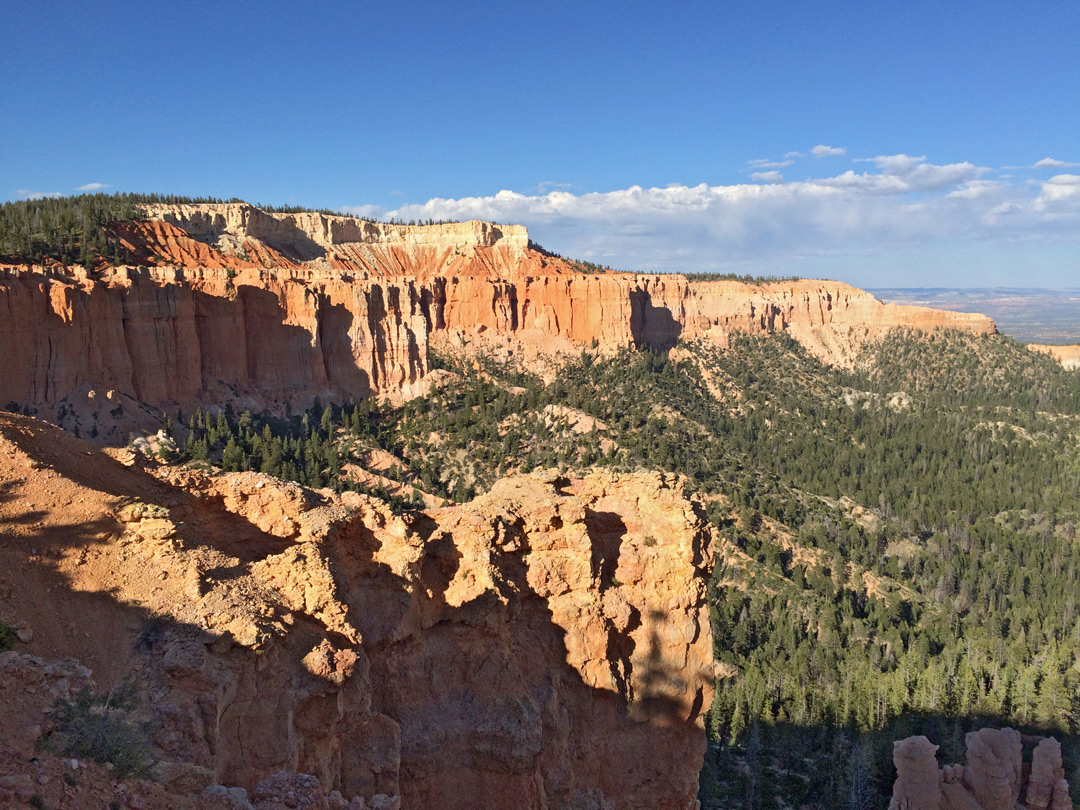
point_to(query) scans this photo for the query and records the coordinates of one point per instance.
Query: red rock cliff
(270, 308)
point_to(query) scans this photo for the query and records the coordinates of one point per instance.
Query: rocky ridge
(545, 646)
(263, 309)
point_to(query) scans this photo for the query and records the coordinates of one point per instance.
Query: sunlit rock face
(545, 646)
(1068, 356)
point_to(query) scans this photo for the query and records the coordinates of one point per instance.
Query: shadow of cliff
(607, 532)
(651, 326)
(338, 351)
(284, 360)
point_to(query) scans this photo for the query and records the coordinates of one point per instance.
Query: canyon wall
(227, 301)
(162, 336)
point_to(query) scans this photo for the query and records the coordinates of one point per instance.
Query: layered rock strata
(263, 309)
(995, 777)
(546, 646)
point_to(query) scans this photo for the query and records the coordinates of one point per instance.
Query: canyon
(545, 645)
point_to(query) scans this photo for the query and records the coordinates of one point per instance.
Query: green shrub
(7, 637)
(104, 730)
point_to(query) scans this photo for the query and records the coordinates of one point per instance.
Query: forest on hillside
(901, 540)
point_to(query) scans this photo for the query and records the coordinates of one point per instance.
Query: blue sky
(885, 144)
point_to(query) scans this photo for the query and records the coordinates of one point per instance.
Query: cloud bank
(902, 206)
(1051, 163)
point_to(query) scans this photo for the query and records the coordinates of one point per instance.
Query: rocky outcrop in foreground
(995, 777)
(545, 646)
(227, 302)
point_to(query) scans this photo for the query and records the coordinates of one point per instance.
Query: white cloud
(1060, 195)
(974, 189)
(902, 204)
(27, 194)
(93, 187)
(827, 151)
(894, 164)
(765, 163)
(1051, 163)
(789, 155)
(904, 176)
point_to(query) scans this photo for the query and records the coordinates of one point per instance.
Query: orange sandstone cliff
(545, 646)
(228, 301)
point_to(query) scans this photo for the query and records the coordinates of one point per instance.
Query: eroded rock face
(261, 309)
(994, 767)
(994, 778)
(544, 569)
(545, 646)
(1046, 787)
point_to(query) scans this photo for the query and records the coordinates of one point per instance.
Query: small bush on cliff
(104, 730)
(7, 637)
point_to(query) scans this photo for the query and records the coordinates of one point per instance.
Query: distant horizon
(972, 288)
(1026, 314)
